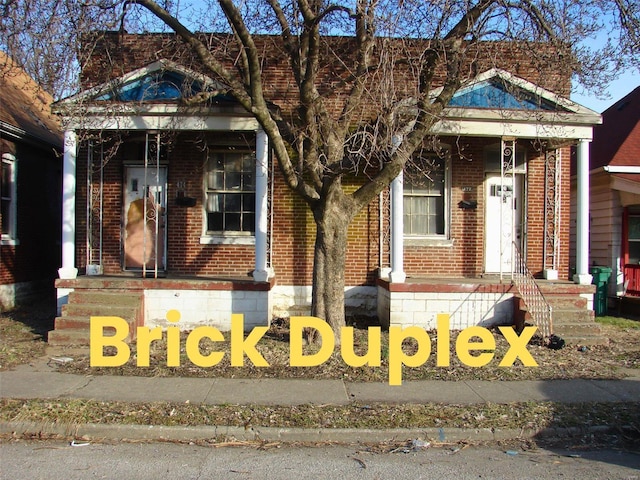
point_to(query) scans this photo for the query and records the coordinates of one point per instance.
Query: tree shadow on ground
(38, 313)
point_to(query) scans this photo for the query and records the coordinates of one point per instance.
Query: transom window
(230, 193)
(493, 157)
(157, 86)
(425, 187)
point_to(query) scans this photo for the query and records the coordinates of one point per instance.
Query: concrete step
(69, 336)
(75, 322)
(83, 322)
(567, 301)
(73, 325)
(94, 297)
(77, 336)
(589, 340)
(572, 316)
(94, 309)
(569, 329)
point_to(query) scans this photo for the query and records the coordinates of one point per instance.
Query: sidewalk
(39, 380)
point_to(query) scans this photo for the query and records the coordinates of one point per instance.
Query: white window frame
(629, 239)
(443, 239)
(11, 237)
(213, 237)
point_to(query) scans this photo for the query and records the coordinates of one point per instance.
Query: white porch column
(261, 273)
(68, 269)
(582, 276)
(397, 274)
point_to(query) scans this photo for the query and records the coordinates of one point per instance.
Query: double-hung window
(8, 190)
(425, 197)
(230, 193)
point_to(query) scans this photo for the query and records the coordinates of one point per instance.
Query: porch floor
(128, 281)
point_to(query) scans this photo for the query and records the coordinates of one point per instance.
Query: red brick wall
(294, 236)
(293, 228)
(293, 233)
(114, 54)
(185, 254)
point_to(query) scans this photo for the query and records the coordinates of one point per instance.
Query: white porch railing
(537, 305)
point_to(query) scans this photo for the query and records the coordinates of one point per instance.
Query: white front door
(503, 222)
(144, 218)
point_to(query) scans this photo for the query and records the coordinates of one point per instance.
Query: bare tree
(322, 144)
(400, 63)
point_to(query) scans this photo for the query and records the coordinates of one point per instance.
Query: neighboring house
(615, 195)
(31, 144)
(183, 207)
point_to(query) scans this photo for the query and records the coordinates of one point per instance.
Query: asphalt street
(49, 460)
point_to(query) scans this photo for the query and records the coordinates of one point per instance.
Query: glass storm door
(145, 219)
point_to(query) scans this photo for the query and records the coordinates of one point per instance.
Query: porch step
(572, 320)
(72, 327)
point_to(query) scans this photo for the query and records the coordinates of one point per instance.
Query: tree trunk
(332, 218)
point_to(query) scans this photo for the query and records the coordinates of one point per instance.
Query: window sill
(428, 242)
(9, 242)
(227, 240)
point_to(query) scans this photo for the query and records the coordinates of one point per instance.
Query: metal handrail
(537, 305)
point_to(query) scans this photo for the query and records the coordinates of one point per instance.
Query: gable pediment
(498, 89)
(162, 81)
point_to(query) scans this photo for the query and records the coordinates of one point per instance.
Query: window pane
(232, 221)
(232, 180)
(6, 215)
(249, 183)
(248, 222)
(634, 251)
(214, 202)
(6, 180)
(230, 191)
(215, 180)
(248, 163)
(232, 203)
(248, 202)
(634, 227)
(424, 200)
(215, 222)
(219, 161)
(419, 205)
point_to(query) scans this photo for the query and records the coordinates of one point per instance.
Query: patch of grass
(619, 322)
(18, 343)
(23, 331)
(529, 415)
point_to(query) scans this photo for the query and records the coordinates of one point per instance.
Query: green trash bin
(601, 281)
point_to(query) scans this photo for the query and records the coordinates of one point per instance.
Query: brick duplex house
(223, 234)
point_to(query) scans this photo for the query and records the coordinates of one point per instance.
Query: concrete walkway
(40, 380)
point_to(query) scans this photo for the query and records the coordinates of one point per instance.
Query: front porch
(146, 301)
(211, 301)
(488, 301)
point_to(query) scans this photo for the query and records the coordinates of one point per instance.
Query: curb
(98, 432)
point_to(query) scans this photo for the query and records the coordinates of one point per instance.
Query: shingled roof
(25, 108)
(617, 141)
